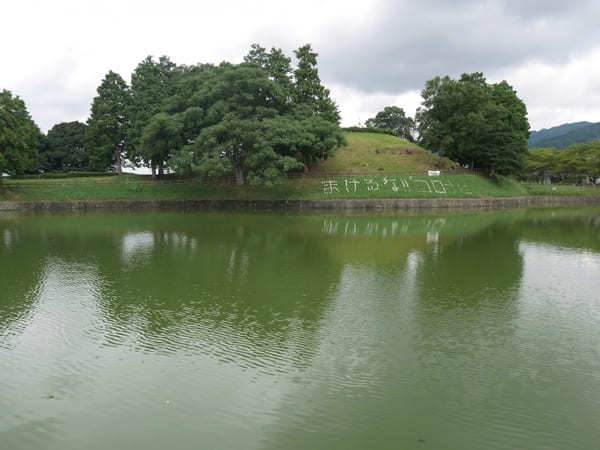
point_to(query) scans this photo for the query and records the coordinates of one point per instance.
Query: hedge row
(57, 175)
(369, 130)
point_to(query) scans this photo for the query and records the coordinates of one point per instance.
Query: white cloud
(558, 93)
(359, 106)
(372, 53)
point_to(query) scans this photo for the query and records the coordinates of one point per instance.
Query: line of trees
(477, 124)
(255, 120)
(261, 118)
(579, 163)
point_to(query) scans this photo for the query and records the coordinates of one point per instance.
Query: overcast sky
(371, 53)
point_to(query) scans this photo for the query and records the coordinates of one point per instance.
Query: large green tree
(65, 148)
(19, 137)
(109, 124)
(477, 124)
(230, 110)
(248, 120)
(394, 118)
(151, 83)
(308, 87)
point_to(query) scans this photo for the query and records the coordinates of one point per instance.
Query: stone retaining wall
(405, 204)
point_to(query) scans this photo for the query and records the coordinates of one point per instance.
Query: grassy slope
(369, 153)
(362, 162)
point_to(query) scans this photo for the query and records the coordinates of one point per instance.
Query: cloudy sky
(371, 53)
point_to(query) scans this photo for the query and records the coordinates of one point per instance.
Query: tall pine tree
(151, 83)
(308, 88)
(109, 123)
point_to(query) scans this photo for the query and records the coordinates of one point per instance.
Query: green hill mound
(371, 153)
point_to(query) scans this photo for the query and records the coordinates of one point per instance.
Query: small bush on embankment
(62, 175)
(369, 130)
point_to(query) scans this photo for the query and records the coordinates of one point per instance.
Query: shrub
(58, 175)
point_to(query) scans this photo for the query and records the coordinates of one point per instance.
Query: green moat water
(261, 331)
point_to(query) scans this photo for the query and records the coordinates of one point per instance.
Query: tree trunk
(304, 163)
(160, 171)
(239, 175)
(153, 172)
(118, 168)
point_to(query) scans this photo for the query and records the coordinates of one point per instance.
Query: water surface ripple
(221, 330)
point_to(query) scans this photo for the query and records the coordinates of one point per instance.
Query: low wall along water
(406, 204)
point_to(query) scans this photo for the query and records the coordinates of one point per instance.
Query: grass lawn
(558, 189)
(360, 170)
(133, 187)
(370, 153)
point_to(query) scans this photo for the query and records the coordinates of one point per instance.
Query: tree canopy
(151, 83)
(308, 87)
(109, 123)
(253, 120)
(474, 123)
(227, 120)
(19, 136)
(575, 164)
(393, 118)
(65, 148)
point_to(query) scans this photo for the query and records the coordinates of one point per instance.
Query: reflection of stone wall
(396, 203)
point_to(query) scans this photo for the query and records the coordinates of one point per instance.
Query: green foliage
(393, 118)
(19, 136)
(474, 123)
(109, 123)
(356, 129)
(577, 163)
(276, 64)
(308, 87)
(160, 138)
(247, 119)
(64, 175)
(230, 109)
(65, 148)
(256, 120)
(152, 82)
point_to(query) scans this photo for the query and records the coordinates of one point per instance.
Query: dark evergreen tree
(151, 83)
(472, 122)
(65, 148)
(308, 87)
(109, 123)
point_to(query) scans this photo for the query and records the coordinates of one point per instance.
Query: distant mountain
(564, 135)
